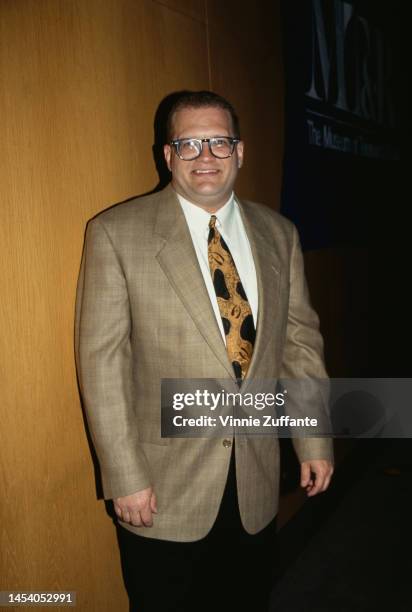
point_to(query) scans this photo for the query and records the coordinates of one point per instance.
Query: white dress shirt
(230, 225)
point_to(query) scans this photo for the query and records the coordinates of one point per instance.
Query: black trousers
(229, 570)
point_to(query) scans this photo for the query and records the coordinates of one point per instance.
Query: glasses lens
(189, 149)
(221, 147)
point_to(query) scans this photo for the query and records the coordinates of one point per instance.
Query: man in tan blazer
(145, 312)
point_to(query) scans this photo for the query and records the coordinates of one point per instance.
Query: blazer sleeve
(104, 365)
(303, 360)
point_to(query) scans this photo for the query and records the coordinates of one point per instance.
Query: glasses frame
(176, 143)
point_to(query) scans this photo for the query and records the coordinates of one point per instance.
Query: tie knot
(212, 222)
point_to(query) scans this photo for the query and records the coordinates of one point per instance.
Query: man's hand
(137, 508)
(315, 476)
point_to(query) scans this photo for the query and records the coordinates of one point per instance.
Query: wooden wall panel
(246, 67)
(80, 84)
(81, 80)
(191, 8)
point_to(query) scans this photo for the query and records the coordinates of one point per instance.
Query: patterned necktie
(233, 303)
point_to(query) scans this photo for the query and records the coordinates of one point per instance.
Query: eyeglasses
(190, 148)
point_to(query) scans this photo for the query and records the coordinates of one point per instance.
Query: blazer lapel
(268, 268)
(178, 259)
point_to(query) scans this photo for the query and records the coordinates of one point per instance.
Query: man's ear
(167, 151)
(240, 150)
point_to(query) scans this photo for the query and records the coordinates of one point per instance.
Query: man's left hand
(315, 476)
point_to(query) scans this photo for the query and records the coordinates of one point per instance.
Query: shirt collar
(198, 218)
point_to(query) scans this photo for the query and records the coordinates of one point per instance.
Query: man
(161, 277)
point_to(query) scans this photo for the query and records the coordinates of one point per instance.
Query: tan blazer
(142, 314)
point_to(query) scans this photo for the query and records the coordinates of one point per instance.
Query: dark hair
(201, 99)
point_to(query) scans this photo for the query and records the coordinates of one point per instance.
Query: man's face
(205, 181)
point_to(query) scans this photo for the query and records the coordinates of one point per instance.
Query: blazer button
(227, 443)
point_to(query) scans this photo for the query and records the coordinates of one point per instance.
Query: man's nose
(206, 153)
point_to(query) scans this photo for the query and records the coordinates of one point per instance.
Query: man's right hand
(137, 508)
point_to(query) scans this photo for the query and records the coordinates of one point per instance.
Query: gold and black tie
(233, 304)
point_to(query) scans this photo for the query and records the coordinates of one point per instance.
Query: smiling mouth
(204, 172)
